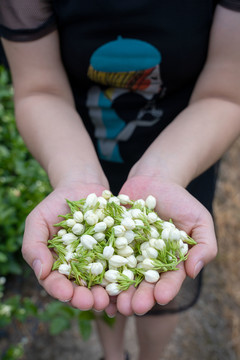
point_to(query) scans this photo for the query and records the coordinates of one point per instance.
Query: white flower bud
(151, 202)
(91, 200)
(147, 264)
(92, 219)
(111, 275)
(96, 268)
(165, 233)
(139, 223)
(108, 252)
(115, 200)
(126, 251)
(68, 238)
(140, 202)
(69, 256)
(129, 235)
(78, 216)
(117, 261)
(174, 235)
(168, 224)
(144, 245)
(128, 273)
(136, 213)
(184, 235)
(70, 222)
(153, 232)
(100, 227)
(151, 276)
(152, 217)
(119, 230)
(106, 194)
(128, 223)
(184, 249)
(113, 289)
(103, 262)
(145, 254)
(121, 242)
(62, 232)
(152, 253)
(70, 248)
(140, 258)
(88, 241)
(104, 283)
(152, 242)
(64, 269)
(159, 244)
(100, 214)
(99, 236)
(78, 229)
(124, 199)
(102, 202)
(109, 221)
(131, 261)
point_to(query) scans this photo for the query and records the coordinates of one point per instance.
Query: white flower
(144, 245)
(153, 232)
(91, 200)
(2, 280)
(68, 238)
(165, 233)
(152, 253)
(115, 200)
(140, 202)
(121, 242)
(87, 213)
(64, 269)
(139, 222)
(128, 223)
(147, 264)
(78, 229)
(70, 222)
(152, 217)
(183, 234)
(113, 289)
(174, 235)
(102, 202)
(92, 219)
(88, 241)
(96, 268)
(136, 213)
(117, 261)
(126, 251)
(106, 194)
(129, 235)
(111, 275)
(131, 261)
(184, 249)
(62, 232)
(159, 244)
(140, 258)
(5, 310)
(151, 276)
(104, 283)
(168, 224)
(108, 252)
(128, 273)
(100, 214)
(100, 227)
(119, 230)
(151, 202)
(109, 221)
(78, 216)
(69, 255)
(99, 236)
(124, 199)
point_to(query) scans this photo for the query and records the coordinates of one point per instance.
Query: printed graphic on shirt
(128, 83)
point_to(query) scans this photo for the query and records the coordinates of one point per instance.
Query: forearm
(194, 141)
(55, 135)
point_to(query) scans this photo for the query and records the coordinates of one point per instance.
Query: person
(141, 97)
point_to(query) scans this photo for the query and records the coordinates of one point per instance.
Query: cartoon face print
(128, 82)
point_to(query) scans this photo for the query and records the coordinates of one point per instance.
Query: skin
(199, 136)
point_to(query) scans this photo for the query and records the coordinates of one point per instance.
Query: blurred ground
(208, 331)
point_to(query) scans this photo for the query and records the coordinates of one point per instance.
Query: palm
(188, 214)
(39, 228)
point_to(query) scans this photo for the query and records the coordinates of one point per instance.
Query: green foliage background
(23, 183)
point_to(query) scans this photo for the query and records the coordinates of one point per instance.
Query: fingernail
(37, 267)
(111, 316)
(198, 268)
(65, 301)
(161, 304)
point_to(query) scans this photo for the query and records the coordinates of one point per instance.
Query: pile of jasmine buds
(115, 242)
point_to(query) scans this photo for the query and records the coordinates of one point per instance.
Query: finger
(82, 298)
(169, 285)
(143, 299)
(34, 248)
(58, 286)
(111, 310)
(101, 298)
(124, 301)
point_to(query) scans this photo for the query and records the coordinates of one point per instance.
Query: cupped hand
(188, 214)
(39, 229)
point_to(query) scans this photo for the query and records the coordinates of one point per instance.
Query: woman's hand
(174, 202)
(39, 228)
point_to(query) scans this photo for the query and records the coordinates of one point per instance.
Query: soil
(208, 331)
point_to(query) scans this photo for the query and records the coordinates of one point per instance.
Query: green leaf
(85, 328)
(86, 315)
(58, 325)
